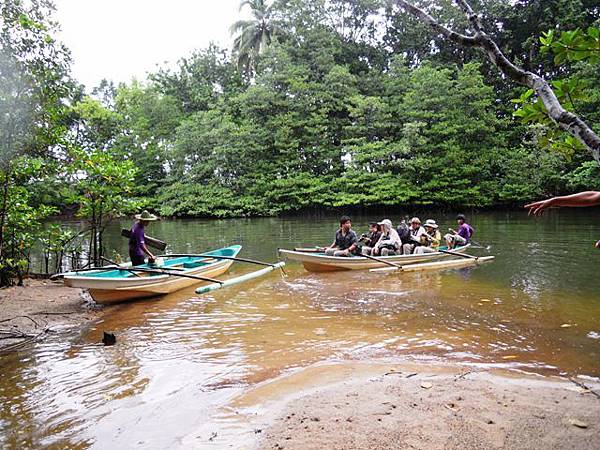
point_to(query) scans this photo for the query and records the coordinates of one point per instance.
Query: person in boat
(579, 200)
(416, 237)
(459, 237)
(403, 231)
(370, 239)
(389, 243)
(346, 241)
(137, 241)
(432, 236)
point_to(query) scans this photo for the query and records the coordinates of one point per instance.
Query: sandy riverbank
(41, 307)
(424, 406)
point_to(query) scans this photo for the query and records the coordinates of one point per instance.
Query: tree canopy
(323, 104)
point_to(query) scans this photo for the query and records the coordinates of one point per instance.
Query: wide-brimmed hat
(431, 223)
(386, 222)
(415, 220)
(146, 216)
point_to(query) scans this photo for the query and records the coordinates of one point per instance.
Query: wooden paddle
(140, 269)
(231, 258)
(462, 255)
(382, 261)
(152, 242)
(391, 264)
(166, 271)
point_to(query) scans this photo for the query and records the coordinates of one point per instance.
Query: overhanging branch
(566, 120)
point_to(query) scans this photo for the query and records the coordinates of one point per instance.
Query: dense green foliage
(57, 147)
(334, 104)
(33, 82)
(353, 105)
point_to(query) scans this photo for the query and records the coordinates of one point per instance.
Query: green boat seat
(193, 264)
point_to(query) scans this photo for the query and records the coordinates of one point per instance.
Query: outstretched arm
(582, 199)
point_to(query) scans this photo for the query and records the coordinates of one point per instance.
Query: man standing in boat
(346, 241)
(137, 241)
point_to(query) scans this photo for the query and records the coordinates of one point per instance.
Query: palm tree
(253, 35)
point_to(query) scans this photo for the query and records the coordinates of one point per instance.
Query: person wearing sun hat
(389, 243)
(432, 236)
(137, 241)
(415, 237)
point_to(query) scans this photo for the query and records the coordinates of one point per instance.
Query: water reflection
(181, 358)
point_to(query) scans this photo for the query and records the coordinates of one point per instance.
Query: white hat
(386, 222)
(431, 223)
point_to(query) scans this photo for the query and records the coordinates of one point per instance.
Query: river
(180, 361)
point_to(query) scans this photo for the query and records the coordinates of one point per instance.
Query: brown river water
(182, 360)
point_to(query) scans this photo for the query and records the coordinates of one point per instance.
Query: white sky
(122, 39)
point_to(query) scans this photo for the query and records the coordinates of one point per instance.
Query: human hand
(151, 260)
(538, 208)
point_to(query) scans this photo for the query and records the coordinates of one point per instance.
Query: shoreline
(28, 313)
(425, 405)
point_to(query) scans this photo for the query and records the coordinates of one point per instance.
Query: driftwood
(584, 387)
(566, 120)
(17, 317)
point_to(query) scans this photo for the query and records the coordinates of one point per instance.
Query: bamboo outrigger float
(119, 283)
(314, 261)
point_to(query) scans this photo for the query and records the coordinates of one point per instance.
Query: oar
(486, 247)
(396, 266)
(88, 269)
(175, 274)
(462, 255)
(115, 264)
(166, 272)
(231, 258)
(317, 250)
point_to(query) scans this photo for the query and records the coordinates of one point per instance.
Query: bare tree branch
(566, 120)
(461, 39)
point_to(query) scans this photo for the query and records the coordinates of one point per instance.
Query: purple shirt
(465, 231)
(136, 240)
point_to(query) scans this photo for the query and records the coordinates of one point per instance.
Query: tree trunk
(3, 208)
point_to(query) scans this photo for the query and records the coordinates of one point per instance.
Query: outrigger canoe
(319, 262)
(125, 283)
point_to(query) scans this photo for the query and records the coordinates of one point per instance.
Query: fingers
(536, 208)
(532, 205)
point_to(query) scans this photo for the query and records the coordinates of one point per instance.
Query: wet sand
(41, 307)
(425, 406)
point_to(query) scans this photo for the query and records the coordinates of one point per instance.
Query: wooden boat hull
(318, 262)
(121, 289)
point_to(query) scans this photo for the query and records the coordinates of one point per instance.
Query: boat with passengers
(315, 260)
